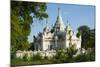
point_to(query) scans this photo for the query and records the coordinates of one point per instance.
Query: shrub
(37, 57)
(25, 57)
(71, 50)
(90, 56)
(59, 57)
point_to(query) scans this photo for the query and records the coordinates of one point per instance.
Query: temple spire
(58, 11)
(59, 18)
(68, 27)
(59, 25)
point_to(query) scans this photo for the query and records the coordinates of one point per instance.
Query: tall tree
(22, 14)
(85, 33)
(92, 39)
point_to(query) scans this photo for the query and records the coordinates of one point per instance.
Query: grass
(36, 62)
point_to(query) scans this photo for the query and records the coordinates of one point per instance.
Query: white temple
(61, 37)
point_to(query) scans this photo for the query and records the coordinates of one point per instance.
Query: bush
(59, 57)
(71, 50)
(25, 57)
(62, 56)
(90, 56)
(37, 57)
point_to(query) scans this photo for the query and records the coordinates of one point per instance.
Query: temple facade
(59, 37)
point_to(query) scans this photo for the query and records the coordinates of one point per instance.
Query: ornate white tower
(59, 25)
(68, 29)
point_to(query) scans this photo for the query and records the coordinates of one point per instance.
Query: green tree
(32, 46)
(92, 39)
(85, 34)
(21, 21)
(88, 37)
(22, 15)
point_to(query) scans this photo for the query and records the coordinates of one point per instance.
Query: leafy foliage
(88, 37)
(90, 56)
(62, 56)
(59, 57)
(22, 15)
(37, 57)
(71, 51)
(78, 34)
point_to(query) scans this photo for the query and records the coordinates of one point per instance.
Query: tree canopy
(88, 36)
(21, 20)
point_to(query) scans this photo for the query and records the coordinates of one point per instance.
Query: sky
(76, 15)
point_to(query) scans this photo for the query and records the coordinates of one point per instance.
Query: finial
(58, 11)
(58, 8)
